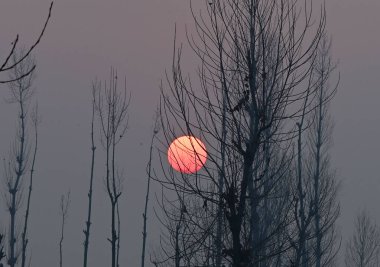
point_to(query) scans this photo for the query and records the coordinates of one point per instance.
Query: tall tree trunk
(318, 250)
(65, 203)
(319, 142)
(20, 160)
(145, 214)
(89, 210)
(25, 230)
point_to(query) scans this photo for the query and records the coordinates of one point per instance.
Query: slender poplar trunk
(301, 250)
(113, 233)
(25, 230)
(61, 243)
(318, 250)
(318, 160)
(88, 222)
(144, 233)
(65, 203)
(13, 190)
(118, 234)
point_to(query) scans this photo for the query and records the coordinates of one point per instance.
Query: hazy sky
(85, 38)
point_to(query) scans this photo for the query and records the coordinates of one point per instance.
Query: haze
(85, 38)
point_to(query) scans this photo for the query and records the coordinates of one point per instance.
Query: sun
(187, 154)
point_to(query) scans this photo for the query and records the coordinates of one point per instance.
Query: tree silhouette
(24, 234)
(149, 173)
(316, 208)
(111, 106)
(64, 212)
(256, 61)
(19, 68)
(363, 248)
(15, 170)
(89, 209)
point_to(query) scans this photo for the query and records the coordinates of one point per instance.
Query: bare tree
(89, 209)
(256, 58)
(21, 91)
(363, 248)
(7, 66)
(181, 243)
(315, 206)
(64, 209)
(19, 67)
(303, 212)
(149, 173)
(324, 184)
(24, 234)
(112, 110)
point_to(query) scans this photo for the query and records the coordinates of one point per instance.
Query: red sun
(187, 154)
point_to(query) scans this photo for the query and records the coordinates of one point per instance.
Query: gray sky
(85, 38)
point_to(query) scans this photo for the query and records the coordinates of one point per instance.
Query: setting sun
(187, 154)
